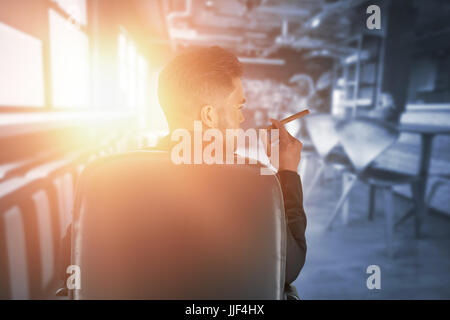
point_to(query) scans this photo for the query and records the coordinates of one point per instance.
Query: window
(21, 69)
(127, 71)
(138, 87)
(69, 52)
(142, 90)
(132, 74)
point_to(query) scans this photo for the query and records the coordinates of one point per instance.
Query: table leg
(424, 167)
(389, 215)
(372, 190)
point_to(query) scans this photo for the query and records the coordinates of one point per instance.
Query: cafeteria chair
(145, 228)
(364, 140)
(440, 180)
(30, 239)
(321, 130)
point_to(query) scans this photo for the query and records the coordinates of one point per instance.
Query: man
(204, 85)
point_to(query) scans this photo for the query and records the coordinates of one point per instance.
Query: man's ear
(208, 116)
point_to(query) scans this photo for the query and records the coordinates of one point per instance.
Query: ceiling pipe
(284, 38)
(191, 34)
(328, 9)
(284, 28)
(265, 61)
(176, 15)
(181, 14)
(323, 53)
(283, 11)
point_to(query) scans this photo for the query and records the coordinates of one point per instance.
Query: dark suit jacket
(296, 223)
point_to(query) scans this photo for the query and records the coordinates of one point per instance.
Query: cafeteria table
(427, 133)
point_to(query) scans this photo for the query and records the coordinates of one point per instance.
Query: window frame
(22, 26)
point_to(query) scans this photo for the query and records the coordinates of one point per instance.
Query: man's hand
(289, 148)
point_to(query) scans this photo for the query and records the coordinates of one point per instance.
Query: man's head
(202, 84)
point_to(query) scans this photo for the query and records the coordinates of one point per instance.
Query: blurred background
(78, 80)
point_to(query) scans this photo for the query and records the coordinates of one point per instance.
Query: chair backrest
(365, 139)
(321, 129)
(14, 278)
(145, 228)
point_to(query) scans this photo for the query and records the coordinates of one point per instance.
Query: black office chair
(145, 228)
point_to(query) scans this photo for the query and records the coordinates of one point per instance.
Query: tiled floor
(337, 260)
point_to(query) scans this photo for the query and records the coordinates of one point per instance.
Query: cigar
(291, 118)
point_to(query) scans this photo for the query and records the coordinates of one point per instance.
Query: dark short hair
(194, 78)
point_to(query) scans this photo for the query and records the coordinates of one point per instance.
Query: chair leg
(344, 196)
(389, 214)
(303, 166)
(372, 193)
(314, 180)
(420, 207)
(347, 178)
(433, 190)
